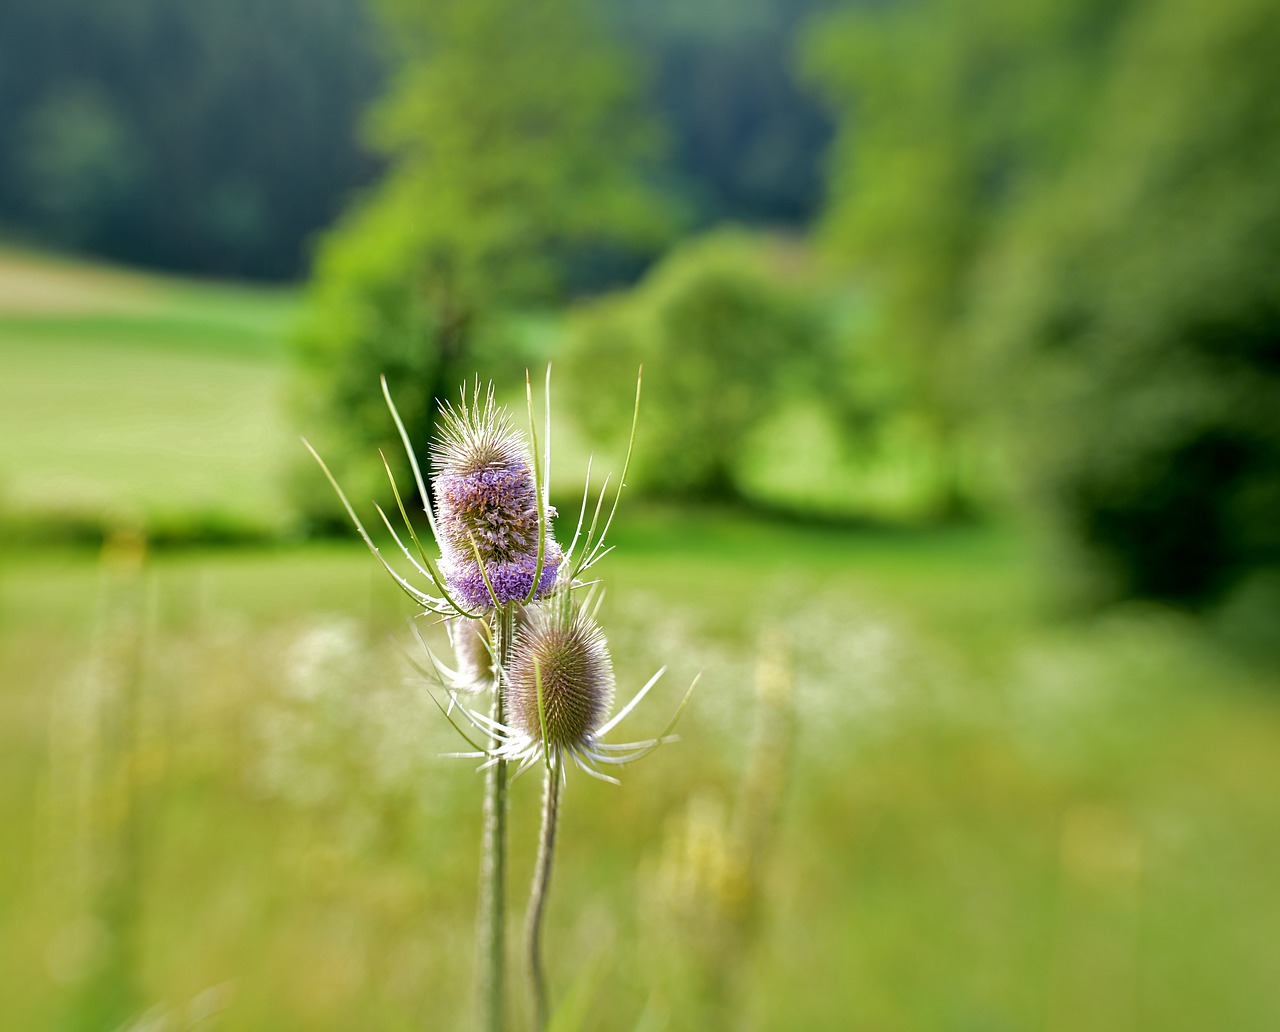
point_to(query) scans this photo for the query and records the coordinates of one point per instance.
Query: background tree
(509, 163)
(201, 137)
(1132, 313)
(1066, 215)
(729, 330)
(947, 112)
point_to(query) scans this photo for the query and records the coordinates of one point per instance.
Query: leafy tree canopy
(517, 148)
(1132, 311)
(1068, 217)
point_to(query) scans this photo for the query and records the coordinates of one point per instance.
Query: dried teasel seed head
(561, 654)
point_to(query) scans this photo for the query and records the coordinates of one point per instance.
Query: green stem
(538, 895)
(493, 862)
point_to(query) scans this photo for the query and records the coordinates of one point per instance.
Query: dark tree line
(220, 137)
(746, 135)
(204, 137)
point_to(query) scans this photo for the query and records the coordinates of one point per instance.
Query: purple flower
(487, 509)
(511, 578)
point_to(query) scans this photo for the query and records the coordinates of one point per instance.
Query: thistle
(558, 687)
(560, 681)
(493, 523)
(509, 596)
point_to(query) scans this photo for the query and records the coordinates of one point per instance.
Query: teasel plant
(521, 615)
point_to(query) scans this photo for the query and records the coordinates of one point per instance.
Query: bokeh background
(958, 476)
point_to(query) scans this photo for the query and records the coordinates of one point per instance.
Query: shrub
(726, 340)
(1133, 315)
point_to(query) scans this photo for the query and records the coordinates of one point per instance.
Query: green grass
(141, 398)
(218, 794)
(988, 820)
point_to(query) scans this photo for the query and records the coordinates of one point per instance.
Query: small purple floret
(511, 579)
(496, 509)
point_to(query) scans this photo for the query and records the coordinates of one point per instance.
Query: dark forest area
(220, 138)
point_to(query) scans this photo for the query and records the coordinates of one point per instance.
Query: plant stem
(493, 862)
(538, 895)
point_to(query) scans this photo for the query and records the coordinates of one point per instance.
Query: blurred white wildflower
(344, 727)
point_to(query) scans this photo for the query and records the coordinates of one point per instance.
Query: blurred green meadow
(906, 795)
(143, 398)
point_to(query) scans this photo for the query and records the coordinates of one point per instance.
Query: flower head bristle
(476, 436)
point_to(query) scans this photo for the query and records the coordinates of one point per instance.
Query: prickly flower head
(559, 682)
(487, 509)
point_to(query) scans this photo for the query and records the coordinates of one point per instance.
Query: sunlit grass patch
(155, 403)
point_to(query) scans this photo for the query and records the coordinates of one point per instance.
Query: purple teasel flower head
(494, 536)
(491, 519)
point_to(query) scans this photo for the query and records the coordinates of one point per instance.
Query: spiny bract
(560, 676)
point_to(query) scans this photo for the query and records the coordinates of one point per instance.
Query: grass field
(139, 397)
(986, 820)
(906, 796)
